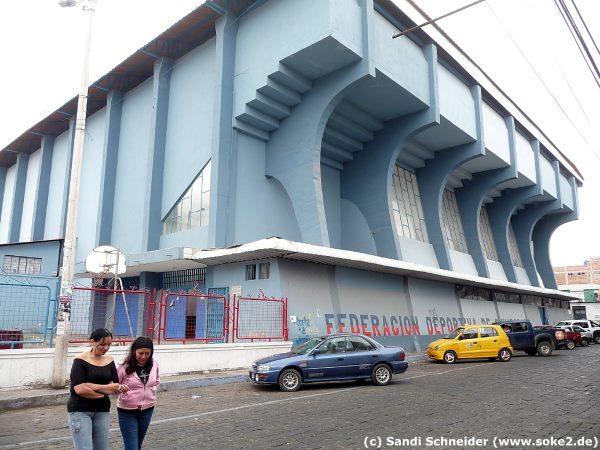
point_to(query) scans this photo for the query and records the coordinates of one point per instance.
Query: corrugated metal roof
(281, 248)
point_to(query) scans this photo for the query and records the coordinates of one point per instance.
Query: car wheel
(504, 355)
(290, 380)
(597, 338)
(585, 342)
(570, 344)
(449, 357)
(544, 348)
(381, 375)
(531, 352)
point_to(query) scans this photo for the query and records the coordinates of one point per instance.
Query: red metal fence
(260, 318)
(176, 316)
(193, 317)
(124, 312)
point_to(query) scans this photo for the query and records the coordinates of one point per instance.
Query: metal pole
(59, 373)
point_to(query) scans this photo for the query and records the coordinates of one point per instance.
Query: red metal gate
(260, 318)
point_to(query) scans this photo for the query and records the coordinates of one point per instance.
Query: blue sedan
(330, 358)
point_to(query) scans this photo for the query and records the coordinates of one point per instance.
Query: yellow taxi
(472, 341)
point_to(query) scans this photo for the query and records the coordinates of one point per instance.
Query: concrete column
(525, 221)
(471, 196)
(367, 179)
(67, 179)
(41, 194)
(3, 171)
(502, 209)
(432, 179)
(152, 225)
(499, 213)
(14, 225)
(108, 171)
(222, 137)
(542, 233)
(293, 155)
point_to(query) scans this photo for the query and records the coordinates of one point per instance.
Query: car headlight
(263, 367)
(436, 348)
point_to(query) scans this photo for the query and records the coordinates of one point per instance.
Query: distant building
(582, 281)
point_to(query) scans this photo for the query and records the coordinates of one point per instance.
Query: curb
(61, 398)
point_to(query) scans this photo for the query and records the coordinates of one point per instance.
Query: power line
(581, 45)
(436, 19)
(543, 83)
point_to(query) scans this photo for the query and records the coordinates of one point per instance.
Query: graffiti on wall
(306, 329)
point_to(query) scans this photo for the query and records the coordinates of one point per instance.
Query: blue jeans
(133, 425)
(89, 430)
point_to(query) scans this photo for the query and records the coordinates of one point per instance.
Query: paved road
(529, 397)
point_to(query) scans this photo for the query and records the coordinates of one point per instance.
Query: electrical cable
(597, 155)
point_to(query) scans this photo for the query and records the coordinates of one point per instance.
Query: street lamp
(59, 372)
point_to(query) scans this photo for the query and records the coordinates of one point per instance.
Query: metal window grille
(453, 229)
(22, 264)
(406, 205)
(191, 211)
(485, 232)
(184, 279)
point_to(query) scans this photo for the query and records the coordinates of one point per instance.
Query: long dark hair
(130, 361)
(100, 333)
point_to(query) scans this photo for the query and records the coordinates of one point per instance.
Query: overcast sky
(42, 57)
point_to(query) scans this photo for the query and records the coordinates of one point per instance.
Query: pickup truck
(588, 325)
(564, 338)
(524, 337)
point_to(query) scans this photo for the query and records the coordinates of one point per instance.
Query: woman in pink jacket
(139, 371)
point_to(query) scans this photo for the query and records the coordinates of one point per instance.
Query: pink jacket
(140, 395)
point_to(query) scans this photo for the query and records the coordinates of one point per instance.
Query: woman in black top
(93, 378)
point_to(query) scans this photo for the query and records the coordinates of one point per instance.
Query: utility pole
(59, 369)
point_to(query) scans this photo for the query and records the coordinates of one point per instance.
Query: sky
(523, 45)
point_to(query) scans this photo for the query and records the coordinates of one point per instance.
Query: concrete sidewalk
(33, 396)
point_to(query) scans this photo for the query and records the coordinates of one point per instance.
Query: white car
(587, 325)
(586, 336)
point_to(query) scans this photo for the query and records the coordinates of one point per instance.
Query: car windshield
(303, 349)
(561, 324)
(455, 333)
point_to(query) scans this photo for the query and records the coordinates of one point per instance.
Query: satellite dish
(106, 260)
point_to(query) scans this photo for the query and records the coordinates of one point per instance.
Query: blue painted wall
(190, 122)
(89, 187)
(132, 173)
(58, 187)
(33, 170)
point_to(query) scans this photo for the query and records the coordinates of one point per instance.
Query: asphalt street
(465, 405)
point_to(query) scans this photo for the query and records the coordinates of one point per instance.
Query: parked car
(564, 338)
(331, 358)
(588, 325)
(472, 341)
(524, 337)
(586, 336)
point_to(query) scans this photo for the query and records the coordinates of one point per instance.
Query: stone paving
(529, 397)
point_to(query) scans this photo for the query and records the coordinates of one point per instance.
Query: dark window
(264, 271)
(519, 326)
(471, 333)
(358, 344)
(251, 272)
(22, 264)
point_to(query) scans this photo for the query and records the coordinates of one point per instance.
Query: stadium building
(385, 186)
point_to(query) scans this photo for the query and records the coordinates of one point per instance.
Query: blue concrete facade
(303, 127)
